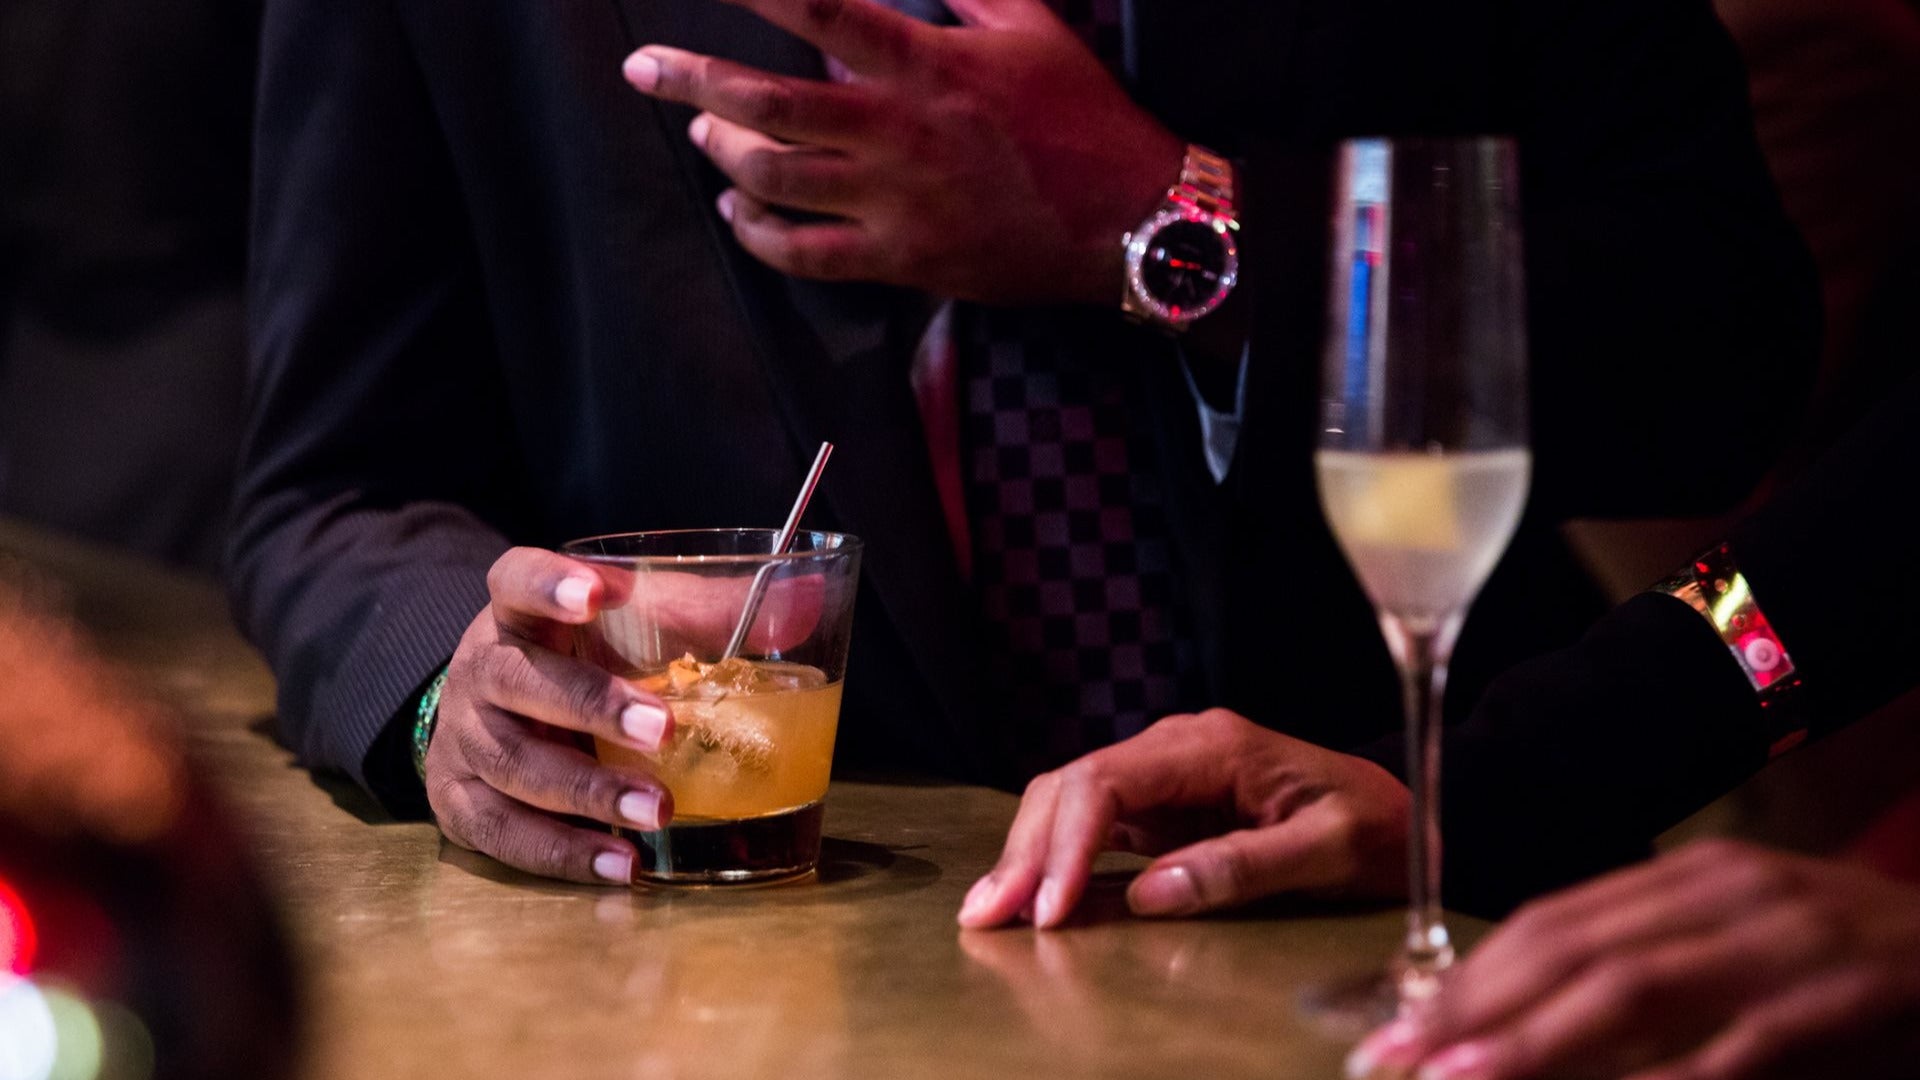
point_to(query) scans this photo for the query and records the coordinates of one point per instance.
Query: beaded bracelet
(424, 721)
(1714, 586)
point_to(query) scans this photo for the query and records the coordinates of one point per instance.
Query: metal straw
(781, 543)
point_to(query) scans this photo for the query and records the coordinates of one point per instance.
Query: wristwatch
(1182, 261)
(1713, 585)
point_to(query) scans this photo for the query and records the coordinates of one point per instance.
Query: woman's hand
(1719, 962)
(1234, 811)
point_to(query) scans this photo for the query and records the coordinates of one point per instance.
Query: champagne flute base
(1347, 1010)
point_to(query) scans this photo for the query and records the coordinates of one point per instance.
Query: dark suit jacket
(493, 303)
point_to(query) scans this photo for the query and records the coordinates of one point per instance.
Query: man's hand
(995, 161)
(1719, 962)
(505, 756)
(1234, 811)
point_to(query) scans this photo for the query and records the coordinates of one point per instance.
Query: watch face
(1187, 266)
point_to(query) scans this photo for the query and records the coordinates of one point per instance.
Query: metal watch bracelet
(1713, 585)
(1206, 181)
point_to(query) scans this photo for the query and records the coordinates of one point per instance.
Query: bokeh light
(78, 1047)
(18, 940)
(129, 1046)
(28, 1039)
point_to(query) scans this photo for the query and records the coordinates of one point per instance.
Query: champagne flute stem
(1421, 654)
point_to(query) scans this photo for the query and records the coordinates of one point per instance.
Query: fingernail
(641, 808)
(615, 866)
(644, 724)
(726, 205)
(572, 593)
(1463, 1062)
(642, 71)
(1383, 1047)
(1046, 906)
(976, 898)
(1165, 892)
(697, 131)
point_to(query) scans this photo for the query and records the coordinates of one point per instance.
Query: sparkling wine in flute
(1423, 530)
(1422, 455)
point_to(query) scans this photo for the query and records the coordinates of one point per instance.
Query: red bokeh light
(18, 939)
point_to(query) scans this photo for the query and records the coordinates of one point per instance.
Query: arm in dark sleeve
(1674, 310)
(1830, 560)
(372, 493)
(1574, 762)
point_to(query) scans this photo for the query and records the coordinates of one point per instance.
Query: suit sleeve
(1574, 762)
(372, 496)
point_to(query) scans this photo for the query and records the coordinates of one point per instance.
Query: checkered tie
(1072, 562)
(1071, 559)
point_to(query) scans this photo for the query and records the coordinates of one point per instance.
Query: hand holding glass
(752, 744)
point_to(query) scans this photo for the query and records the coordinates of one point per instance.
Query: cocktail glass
(752, 744)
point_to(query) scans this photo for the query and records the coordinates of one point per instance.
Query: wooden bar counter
(422, 960)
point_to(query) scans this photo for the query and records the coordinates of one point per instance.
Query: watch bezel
(1142, 238)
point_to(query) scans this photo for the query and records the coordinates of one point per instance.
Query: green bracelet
(423, 724)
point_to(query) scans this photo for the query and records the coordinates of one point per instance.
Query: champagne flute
(1422, 457)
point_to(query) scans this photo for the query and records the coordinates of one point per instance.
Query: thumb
(1304, 852)
(1003, 14)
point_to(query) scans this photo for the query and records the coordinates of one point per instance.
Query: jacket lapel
(836, 358)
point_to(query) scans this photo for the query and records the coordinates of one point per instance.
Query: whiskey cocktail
(751, 750)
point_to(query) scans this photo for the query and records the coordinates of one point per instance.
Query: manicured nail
(644, 724)
(976, 898)
(641, 808)
(697, 131)
(1383, 1047)
(1165, 892)
(726, 205)
(643, 71)
(572, 593)
(1046, 906)
(614, 866)
(1463, 1062)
